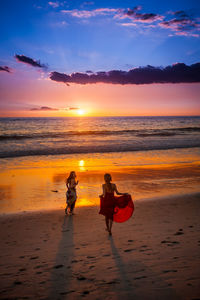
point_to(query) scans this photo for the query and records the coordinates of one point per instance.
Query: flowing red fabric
(118, 209)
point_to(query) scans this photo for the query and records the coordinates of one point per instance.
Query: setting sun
(80, 112)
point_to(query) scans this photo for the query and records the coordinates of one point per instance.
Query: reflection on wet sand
(6, 196)
(6, 192)
(31, 184)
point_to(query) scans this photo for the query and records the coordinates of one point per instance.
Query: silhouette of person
(108, 201)
(71, 194)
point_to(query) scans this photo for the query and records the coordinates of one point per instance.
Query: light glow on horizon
(80, 112)
(52, 59)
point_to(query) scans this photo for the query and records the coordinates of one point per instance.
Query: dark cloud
(180, 14)
(142, 17)
(5, 68)
(177, 73)
(44, 108)
(182, 23)
(73, 108)
(30, 61)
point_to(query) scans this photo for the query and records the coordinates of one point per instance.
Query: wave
(139, 133)
(95, 149)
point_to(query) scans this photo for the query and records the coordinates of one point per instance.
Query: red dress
(118, 209)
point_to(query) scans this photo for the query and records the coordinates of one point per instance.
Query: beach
(154, 255)
(47, 255)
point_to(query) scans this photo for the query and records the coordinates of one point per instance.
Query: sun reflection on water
(81, 164)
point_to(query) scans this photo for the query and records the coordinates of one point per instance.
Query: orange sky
(96, 99)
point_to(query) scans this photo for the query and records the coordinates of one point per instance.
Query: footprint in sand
(74, 261)
(169, 243)
(169, 271)
(58, 266)
(80, 278)
(179, 232)
(85, 293)
(112, 282)
(128, 250)
(65, 293)
(141, 277)
(16, 282)
(38, 267)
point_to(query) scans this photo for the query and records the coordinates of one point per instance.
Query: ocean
(53, 136)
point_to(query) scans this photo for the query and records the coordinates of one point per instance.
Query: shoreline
(168, 197)
(94, 152)
(154, 255)
(39, 183)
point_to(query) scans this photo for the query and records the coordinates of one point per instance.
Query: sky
(99, 58)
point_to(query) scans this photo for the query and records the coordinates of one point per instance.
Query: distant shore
(154, 255)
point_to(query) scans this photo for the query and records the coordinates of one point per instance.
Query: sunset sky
(99, 58)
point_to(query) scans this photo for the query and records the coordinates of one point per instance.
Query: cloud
(140, 17)
(54, 4)
(182, 24)
(177, 73)
(44, 108)
(29, 61)
(90, 13)
(118, 13)
(86, 3)
(5, 68)
(72, 108)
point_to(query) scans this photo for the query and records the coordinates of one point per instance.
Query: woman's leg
(107, 223)
(110, 225)
(72, 206)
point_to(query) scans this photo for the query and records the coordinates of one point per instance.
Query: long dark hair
(108, 179)
(71, 175)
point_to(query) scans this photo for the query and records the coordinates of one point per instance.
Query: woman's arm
(117, 192)
(104, 191)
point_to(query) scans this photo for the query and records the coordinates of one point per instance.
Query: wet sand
(37, 183)
(154, 255)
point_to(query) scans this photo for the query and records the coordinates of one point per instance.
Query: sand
(154, 255)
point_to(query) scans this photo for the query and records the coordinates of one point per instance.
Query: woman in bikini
(71, 195)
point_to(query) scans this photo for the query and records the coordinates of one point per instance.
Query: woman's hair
(107, 178)
(71, 175)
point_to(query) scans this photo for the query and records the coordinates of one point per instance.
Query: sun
(80, 112)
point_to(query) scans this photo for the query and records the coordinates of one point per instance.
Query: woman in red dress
(118, 208)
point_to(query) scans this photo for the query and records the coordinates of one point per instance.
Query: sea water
(54, 136)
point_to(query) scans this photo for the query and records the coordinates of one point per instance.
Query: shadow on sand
(125, 282)
(61, 273)
(147, 285)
